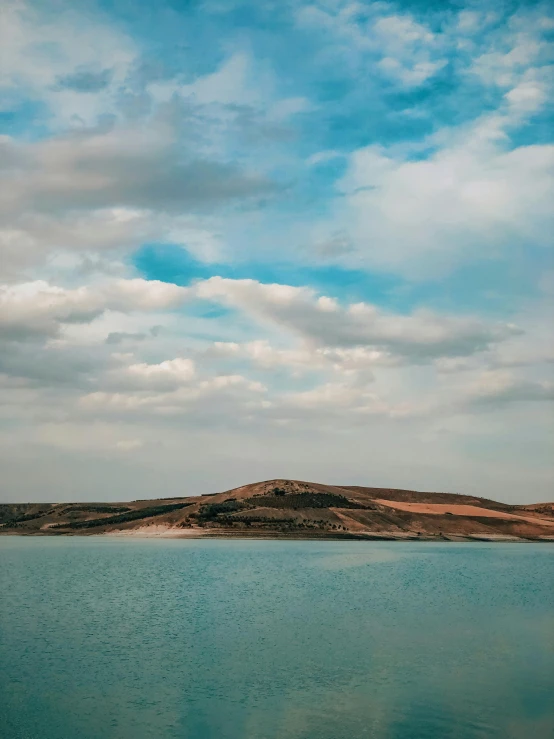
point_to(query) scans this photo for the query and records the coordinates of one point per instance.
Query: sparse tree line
(132, 515)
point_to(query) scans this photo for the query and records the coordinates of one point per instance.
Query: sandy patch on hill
(440, 509)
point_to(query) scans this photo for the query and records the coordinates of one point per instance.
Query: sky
(242, 240)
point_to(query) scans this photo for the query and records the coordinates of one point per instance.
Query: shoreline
(160, 532)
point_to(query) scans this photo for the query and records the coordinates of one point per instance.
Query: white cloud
(422, 208)
(93, 437)
(38, 308)
(126, 168)
(469, 200)
(261, 353)
(336, 397)
(322, 321)
(85, 240)
(233, 83)
(305, 359)
(167, 375)
(404, 50)
(129, 445)
(224, 399)
(409, 48)
(527, 96)
(499, 387)
(321, 157)
(511, 53)
(39, 48)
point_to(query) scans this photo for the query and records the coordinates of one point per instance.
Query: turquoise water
(111, 638)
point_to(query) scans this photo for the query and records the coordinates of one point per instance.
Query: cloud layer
(306, 239)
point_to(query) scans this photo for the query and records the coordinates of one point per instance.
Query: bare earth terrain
(293, 509)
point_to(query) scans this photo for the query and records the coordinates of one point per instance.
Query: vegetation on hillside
(296, 501)
(123, 517)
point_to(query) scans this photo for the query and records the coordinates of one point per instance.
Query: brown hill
(293, 509)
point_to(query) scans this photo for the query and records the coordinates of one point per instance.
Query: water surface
(166, 639)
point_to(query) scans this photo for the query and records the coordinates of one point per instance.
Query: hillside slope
(293, 509)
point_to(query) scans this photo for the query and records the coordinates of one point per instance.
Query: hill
(293, 509)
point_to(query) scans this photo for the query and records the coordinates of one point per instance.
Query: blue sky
(298, 239)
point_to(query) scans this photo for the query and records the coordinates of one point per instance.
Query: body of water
(104, 638)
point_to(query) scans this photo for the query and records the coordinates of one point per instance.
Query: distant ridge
(284, 508)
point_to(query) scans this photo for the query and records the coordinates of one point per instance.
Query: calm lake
(129, 639)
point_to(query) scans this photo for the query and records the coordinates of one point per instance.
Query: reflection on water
(358, 558)
(265, 640)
